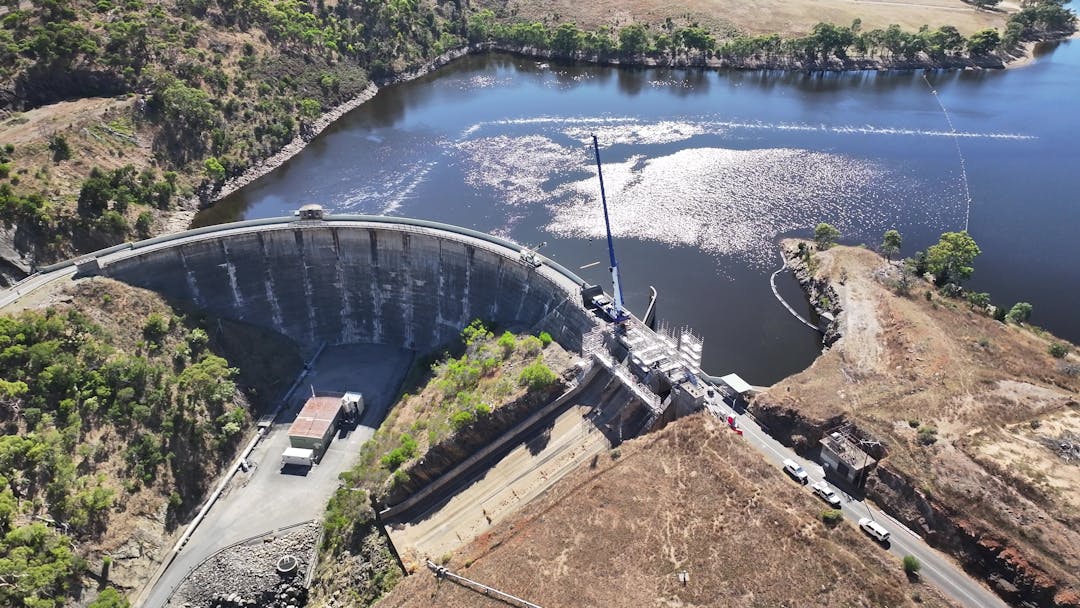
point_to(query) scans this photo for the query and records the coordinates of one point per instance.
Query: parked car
(874, 529)
(796, 471)
(826, 493)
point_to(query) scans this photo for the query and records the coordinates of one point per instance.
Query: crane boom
(619, 312)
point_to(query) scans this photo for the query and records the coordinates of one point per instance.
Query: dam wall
(363, 280)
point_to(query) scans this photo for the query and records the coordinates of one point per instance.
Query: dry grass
(692, 497)
(758, 16)
(983, 385)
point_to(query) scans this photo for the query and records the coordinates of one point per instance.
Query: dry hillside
(973, 414)
(691, 497)
(761, 16)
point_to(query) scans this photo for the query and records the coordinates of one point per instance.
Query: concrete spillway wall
(347, 281)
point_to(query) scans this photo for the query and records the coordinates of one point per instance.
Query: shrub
(144, 223)
(406, 449)
(911, 565)
(475, 332)
(1058, 350)
(531, 345)
(109, 598)
(913, 423)
(831, 517)
(545, 338)
(461, 419)
(155, 329)
(927, 435)
(113, 221)
(507, 342)
(536, 376)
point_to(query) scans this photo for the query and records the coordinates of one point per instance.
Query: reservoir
(706, 171)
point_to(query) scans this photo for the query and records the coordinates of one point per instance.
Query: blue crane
(617, 313)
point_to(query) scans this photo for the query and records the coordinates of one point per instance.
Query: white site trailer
(298, 456)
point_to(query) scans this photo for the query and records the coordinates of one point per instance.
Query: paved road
(937, 568)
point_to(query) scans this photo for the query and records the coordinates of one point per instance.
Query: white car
(826, 493)
(795, 470)
(874, 529)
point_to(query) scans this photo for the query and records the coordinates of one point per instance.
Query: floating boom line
(959, 153)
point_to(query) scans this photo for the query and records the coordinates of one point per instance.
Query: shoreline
(181, 219)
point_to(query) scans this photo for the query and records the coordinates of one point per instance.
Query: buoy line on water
(776, 292)
(959, 153)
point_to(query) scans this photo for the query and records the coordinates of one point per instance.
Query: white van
(874, 529)
(797, 472)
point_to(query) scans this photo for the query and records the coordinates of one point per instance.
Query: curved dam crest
(367, 280)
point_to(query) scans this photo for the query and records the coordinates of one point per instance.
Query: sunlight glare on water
(720, 200)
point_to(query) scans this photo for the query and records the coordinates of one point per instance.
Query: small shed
(737, 384)
(843, 457)
(314, 426)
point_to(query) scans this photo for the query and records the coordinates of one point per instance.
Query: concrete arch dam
(357, 279)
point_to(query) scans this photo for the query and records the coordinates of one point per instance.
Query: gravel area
(247, 575)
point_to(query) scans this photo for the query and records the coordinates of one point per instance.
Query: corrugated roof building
(314, 426)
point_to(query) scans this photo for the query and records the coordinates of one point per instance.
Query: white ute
(797, 473)
(874, 529)
(826, 493)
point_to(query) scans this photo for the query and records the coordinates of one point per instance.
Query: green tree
(214, 169)
(60, 147)
(633, 40)
(95, 193)
(979, 300)
(567, 38)
(950, 260)
(696, 38)
(987, 4)
(1020, 312)
(825, 235)
(983, 41)
(890, 243)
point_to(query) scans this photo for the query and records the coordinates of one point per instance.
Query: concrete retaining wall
(343, 282)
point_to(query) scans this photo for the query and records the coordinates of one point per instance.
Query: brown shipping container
(314, 426)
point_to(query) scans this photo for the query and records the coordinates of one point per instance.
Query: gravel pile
(247, 575)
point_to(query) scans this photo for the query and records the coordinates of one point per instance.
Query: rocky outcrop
(785, 422)
(52, 83)
(819, 290)
(980, 551)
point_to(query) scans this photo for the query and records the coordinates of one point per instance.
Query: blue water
(707, 170)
